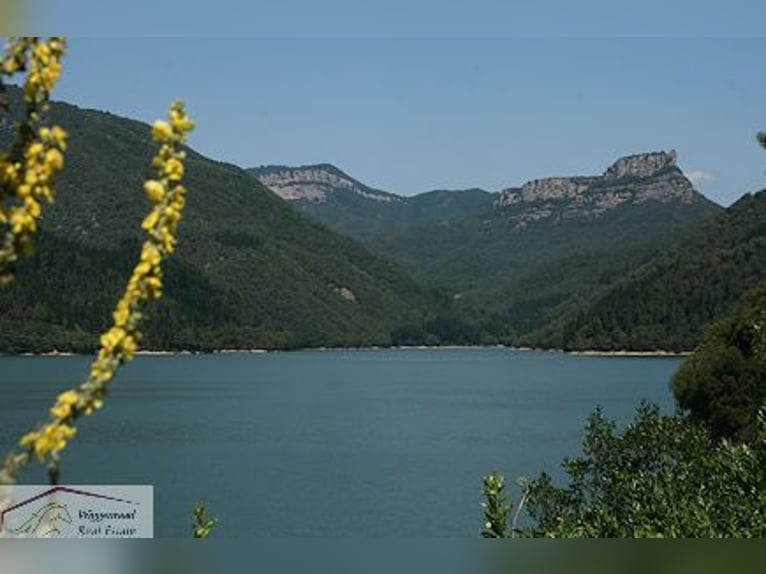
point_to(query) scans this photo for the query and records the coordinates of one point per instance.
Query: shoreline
(657, 353)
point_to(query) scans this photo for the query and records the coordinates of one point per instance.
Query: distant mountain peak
(641, 165)
(315, 183)
(631, 179)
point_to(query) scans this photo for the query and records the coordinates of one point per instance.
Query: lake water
(330, 443)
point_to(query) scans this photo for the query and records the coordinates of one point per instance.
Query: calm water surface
(340, 443)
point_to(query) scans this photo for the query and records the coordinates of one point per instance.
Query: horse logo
(44, 523)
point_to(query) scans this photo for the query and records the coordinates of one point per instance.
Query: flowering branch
(120, 342)
(27, 171)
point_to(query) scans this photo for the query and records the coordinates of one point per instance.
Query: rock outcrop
(632, 179)
(641, 165)
(314, 183)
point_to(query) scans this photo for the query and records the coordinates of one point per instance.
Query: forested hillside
(511, 268)
(668, 302)
(249, 272)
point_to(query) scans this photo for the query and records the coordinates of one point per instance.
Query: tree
(723, 384)
(663, 476)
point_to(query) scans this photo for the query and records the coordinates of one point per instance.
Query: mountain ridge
(256, 272)
(511, 266)
(512, 259)
(249, 271)
(344, 204)
(314, 182)
(630, 179)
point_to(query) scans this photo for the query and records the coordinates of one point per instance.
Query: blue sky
(460, 105)
(400, 18)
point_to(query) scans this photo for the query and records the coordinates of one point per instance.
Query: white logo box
(77, 511)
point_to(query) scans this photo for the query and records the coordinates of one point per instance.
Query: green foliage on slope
(723, 384)
(250, 271)
(507, 281)
(508, 261)
(668, 302)
(660, 477)
(367, 220)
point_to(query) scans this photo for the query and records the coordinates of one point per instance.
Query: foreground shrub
(663, 476)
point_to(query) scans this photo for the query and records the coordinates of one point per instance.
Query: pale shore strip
(600, 353)
(656, 353)
(53, 353)
(257, 351)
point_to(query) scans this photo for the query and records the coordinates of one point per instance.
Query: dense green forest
(249, 272)
(507, 281)
(505, 278)
(723, 383)
(252, 272)
(507, 261)
(668, 302)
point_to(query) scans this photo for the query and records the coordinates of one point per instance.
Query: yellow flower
(10, 66)
(174, 169)
(154, 285)
(150, 254)
(53, 438)
(54, 160)
(100, 373)
(112, 338)
(121, 314)
(129, 346)
(69, 398)
(10, 171)
(151, 220)
(181, 122)
(32, 206)
(50, 76)
(21, 220)
(95, 404)
(60, 411)
(162, 131)
(42, 52)
(29, 439)
(34, 150)
(46, 192)
(155, 190)
(59, 137)
(179, 201)
(168, 241)
(172, 214)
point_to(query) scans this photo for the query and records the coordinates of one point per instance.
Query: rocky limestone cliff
(314, 183)
(641, 165)
(632, 179)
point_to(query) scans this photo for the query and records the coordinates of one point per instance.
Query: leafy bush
(663, 476)
(723, 384)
